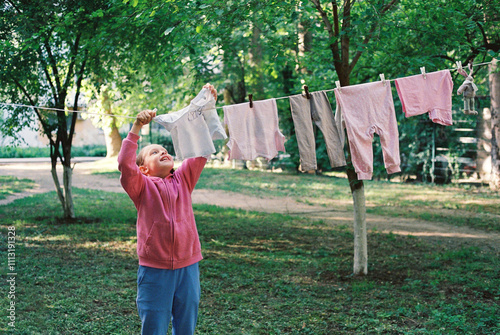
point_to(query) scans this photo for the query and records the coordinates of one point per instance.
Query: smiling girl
(168, 246)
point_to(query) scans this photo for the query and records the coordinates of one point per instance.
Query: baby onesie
(317, 109)
(430, 93)
(253, 132)
(368, 109)
(194, 127)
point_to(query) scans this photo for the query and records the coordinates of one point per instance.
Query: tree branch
(488, 43)
(368, 37)
(345, 40)
(74, 52)
(47, 75)
(330, 29)
(14, 6)
(53, 64)
(336, 18)
(77, 94)
(445, 57)
(483, 33)
(45, 126)
(324, 17)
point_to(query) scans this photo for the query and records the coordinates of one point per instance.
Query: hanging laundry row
(361, 110)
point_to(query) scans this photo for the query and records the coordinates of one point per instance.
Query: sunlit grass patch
(11, 185)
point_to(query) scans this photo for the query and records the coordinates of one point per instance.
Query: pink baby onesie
(253, 132)
(368, 109)
(429, 93)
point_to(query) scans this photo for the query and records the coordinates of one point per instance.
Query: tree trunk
(59, 191)
(113, 141)
(360, 238)
(69, 209)
(494, 79)
(360, 266)
(227, 97)
(256, 61)
(483, 133)
(65, 195)
(305, 42)
(111, 133)
(63, 141)
(234, 69)
(340, 57)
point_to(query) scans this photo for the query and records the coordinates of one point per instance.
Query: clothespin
(382, 78)
(337, 83)
(422, 69)
(470, 67)
(250, 98)
(459, 65)
(308, 96)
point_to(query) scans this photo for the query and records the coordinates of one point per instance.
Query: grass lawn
(461, 206)
(458, 205)
(262, 274)
(10, 185)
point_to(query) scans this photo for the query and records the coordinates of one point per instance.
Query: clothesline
(65, 110)
(133, 117)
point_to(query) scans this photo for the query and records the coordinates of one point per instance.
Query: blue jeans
(168, 294)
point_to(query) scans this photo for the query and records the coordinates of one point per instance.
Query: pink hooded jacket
(167, 237)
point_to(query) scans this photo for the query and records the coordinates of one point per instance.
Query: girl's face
(157, 161)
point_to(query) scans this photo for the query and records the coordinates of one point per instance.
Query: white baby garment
(194, 127)
(253, 132)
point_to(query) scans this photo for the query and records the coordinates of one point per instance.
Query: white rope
(65, 110)
(133, 117)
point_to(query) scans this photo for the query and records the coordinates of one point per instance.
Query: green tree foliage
(44, 52)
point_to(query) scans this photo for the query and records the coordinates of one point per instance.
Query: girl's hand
(145, 117)
(212, 90)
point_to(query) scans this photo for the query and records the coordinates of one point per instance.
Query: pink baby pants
(368, 109)
(430, 93)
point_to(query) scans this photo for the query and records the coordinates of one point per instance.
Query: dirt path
(339, 215)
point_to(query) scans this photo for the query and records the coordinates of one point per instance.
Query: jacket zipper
(171, 225)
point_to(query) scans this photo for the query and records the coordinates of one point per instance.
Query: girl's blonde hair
(139, 160)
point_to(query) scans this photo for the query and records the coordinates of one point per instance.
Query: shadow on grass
(262, 274)
(12, 185)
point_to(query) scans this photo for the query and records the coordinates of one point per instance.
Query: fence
(469, 156)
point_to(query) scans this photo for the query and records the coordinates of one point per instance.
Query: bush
(33, 152)
(17, 152)
(89, 151)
